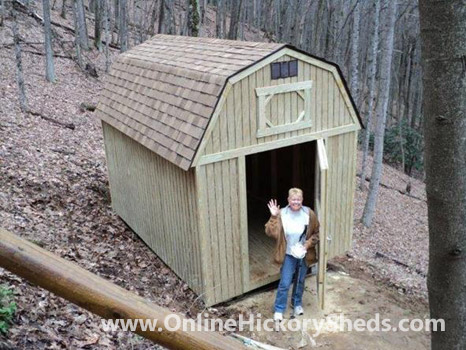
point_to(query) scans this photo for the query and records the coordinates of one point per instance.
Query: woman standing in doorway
(296, 230)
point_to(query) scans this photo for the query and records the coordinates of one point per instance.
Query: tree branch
(53, 121)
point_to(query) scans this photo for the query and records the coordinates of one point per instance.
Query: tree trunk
(234, 19)
(23, 103)
(354, 66)
(370, 110)
(443, 29)
(153, 18)
(77, 35)
(98, 24)
(161, 17)
(82, 27)
(49, 68)
(63, 9)
(2, 12)
(218, 19)
(107, 34)
(123, 27)
(114, 28)
(387, 12)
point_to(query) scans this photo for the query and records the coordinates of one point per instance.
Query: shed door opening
(269, 175)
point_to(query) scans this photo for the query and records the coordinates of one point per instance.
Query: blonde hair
(295, 191)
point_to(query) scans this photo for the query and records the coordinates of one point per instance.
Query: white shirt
(294, 223)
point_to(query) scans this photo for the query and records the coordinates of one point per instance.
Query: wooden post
(100, 296)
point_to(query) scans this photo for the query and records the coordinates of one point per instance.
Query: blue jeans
(296, 268)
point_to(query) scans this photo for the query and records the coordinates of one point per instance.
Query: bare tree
(23, 103)
(107, 34)
(161, 17)
(354, 57)
(443, 29)
(2, 12)
(49, 67)
(234, 19)
(153, 18)
(219, 18)
(370, 110)
(123, 26)
(387, 12)
(115, 20)
(98, 24)
(63, 9)
(77, 40)
(81, 24)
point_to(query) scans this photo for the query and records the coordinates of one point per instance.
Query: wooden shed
(200, 133)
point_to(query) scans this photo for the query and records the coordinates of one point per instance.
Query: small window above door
(268, 122)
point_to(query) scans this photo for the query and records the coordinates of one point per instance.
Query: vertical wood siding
(157, 200)
(219, 188)
(341, 151)
(237, 124)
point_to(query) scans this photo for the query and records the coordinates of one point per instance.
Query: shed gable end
(259, 110)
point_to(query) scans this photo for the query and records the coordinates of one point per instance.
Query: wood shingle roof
(163, 92)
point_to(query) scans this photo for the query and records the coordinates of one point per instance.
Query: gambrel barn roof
(163, 92)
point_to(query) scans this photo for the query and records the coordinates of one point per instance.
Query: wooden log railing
(99, 296)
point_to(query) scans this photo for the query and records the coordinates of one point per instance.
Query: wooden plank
(204, 235)
(245, 113)
(227, 217)
(353, 183)
(277, 144)
(289, 115)
(237, 288)
(307, 106)
(267, 81)
(194, 216)
(315, 117)
(322, 154)
(243, 216)
(324, 101)
(223, 124)
(295, 97)
(237, 115)
(280, 109)
(331, 191)
(214, 232)
(319, 97)
(339, 162)
(321, 277)
(283, 88)
(345, 96)
(252, 111)
(217, 181)
(331, 101)
(344, 192)
(276, 130)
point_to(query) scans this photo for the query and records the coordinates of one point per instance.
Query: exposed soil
(355, 296)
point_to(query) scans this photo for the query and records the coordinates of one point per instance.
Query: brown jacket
(274, 229)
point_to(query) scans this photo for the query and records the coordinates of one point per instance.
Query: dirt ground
(349, 296)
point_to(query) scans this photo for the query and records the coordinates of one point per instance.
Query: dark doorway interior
(269, 175)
